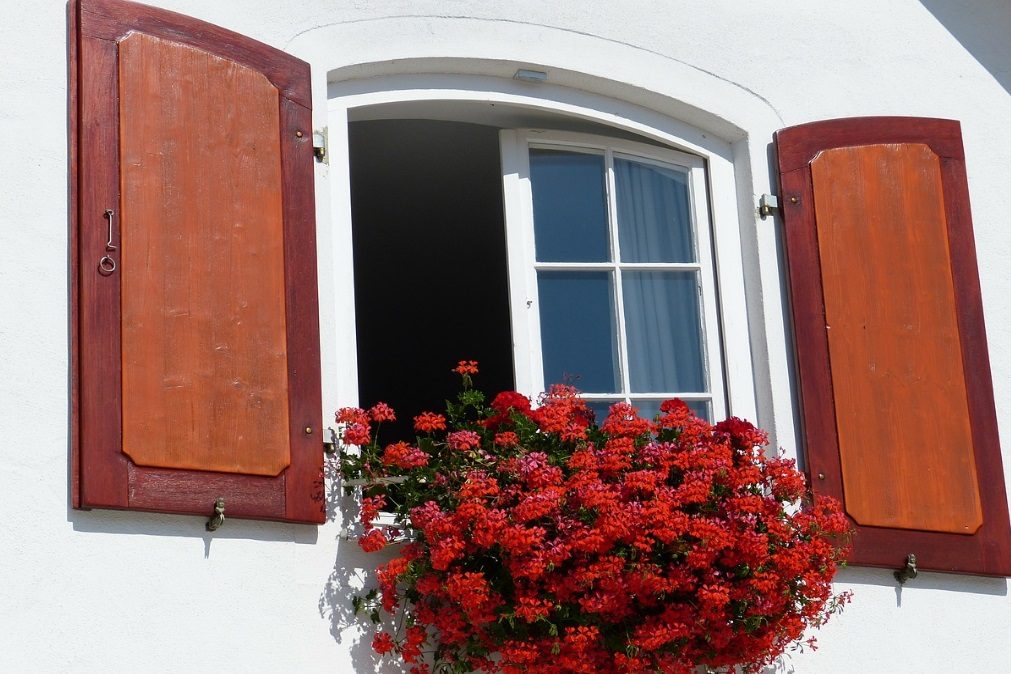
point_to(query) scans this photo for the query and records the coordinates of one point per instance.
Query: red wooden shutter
(196, 349)
(897, 400)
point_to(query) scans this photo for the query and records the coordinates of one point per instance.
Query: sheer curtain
(661, 307)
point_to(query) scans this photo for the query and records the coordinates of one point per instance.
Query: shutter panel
(896, 394)
(196, 350)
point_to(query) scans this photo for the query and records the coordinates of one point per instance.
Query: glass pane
(570, 208)
(664, 331)
(654, 214)
(600, 408)
(578, 330)
(648, 409)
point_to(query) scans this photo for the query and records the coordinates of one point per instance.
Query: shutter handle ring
(107, 265)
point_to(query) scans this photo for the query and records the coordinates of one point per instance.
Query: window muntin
(635, 320)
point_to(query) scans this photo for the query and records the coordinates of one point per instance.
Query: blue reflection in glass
(570, 207)
(578, 331)
(663, 329)
(654, 215)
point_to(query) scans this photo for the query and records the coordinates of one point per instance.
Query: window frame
(524, 266)
(477, 97)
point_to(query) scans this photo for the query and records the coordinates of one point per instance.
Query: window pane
(600, 408)
(654, 215)
(663, 327)
(570, 208)
(648, 409)
(578, 330)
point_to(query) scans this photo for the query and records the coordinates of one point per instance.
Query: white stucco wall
(117, 591)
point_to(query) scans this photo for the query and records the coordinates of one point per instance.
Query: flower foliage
(542, 542)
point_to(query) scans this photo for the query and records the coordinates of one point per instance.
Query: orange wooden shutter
(196, 353)
(897, 399)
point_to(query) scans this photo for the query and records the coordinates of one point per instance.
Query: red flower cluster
(635, 546)
(466, 367)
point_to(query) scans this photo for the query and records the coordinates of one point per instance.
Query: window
(604, 244)
(611, 270)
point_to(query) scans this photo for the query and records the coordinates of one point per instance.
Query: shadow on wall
(182, 526)
(352, 574)
(983, 27)
(945, 582)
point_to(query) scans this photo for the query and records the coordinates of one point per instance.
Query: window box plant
(543, 542)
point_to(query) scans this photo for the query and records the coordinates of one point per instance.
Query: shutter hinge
(330, 441)
(319, 145)
(767, 203)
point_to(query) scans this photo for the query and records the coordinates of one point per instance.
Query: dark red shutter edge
(72, 155)
(988, 552)
(101, 476)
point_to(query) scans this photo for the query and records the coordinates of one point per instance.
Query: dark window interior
(430, 263)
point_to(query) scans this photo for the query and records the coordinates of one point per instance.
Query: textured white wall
(104, 591)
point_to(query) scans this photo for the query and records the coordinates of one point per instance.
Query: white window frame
(727, 174)
(523, 264)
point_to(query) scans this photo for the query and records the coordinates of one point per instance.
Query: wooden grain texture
(102, 465)
(901, 408)
(988, 552)
(107, 477)
(305, 486)
(186, 491)
(203, 312)
(113, 19)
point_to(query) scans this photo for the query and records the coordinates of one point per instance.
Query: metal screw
(298, 134)
(308, 430)
(821, 476)
(793, 200)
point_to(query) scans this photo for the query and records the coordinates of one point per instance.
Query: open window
(549, 256)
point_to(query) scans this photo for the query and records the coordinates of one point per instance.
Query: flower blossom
(463, 440)
(382, 412)
(427, 422)
(466, 367)
(373, 541)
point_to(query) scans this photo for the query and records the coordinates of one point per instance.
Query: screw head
(821, 476)
(298, 134)
(794, 200)
(308, 430)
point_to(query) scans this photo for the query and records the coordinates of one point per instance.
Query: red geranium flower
(466, 367)
(427, 422)
(383, 643)
(382, 412)
(372, 541)
(557, 546)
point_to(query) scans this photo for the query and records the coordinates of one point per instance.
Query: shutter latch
(767, 203)
(218, 518)
(319, 143)
(908, 571)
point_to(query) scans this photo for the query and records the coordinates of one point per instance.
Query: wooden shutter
(196, 341)
(897, 400)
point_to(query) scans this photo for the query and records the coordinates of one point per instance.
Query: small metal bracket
(329, 441)
(319, 145)
(767, 203)
(908, 571)
(218, 518)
